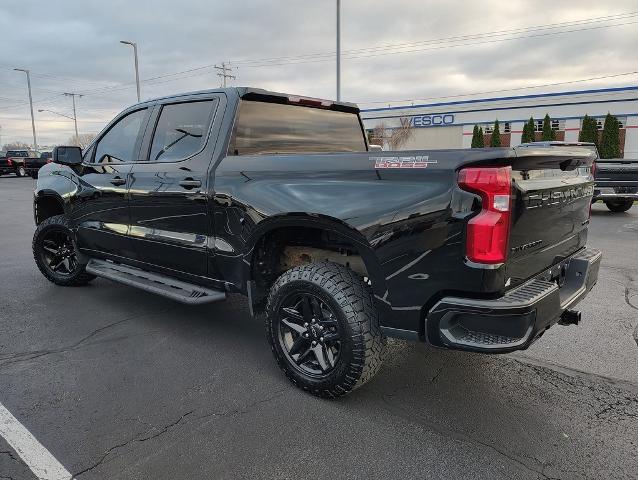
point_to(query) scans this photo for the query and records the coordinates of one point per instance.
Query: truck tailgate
(552, 192)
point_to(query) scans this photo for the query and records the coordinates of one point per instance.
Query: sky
(406, 50)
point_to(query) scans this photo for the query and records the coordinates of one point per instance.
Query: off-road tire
(350, 299)
(619, 206)
(79, 276)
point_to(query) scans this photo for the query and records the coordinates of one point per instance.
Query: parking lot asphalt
(117, 383)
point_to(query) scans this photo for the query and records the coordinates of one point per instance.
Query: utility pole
(137, 71)
(75, 117)
(35, 142)
(224, 72)
(338, 50)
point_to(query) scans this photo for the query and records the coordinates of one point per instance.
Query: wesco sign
(421, 121)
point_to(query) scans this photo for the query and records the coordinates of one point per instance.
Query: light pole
(75, 116)
(137, 72)
(338, 50)
(35, 142)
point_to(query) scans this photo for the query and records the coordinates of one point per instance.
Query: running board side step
(157, 283)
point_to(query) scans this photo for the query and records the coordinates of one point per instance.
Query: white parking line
(37, 458)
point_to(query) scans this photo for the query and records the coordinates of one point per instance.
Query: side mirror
(67, 155)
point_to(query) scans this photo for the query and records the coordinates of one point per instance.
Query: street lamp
(137, 73)
(338, 50)
(35, 142)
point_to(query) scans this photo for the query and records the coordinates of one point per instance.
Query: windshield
(270, 128)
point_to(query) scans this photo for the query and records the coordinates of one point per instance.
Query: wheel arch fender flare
(47, 195)
(320, 222)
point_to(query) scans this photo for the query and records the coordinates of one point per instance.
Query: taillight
(311, 102)
(9, 161)
(49, 160)
(488, 233)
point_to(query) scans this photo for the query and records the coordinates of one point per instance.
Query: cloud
(75, 47)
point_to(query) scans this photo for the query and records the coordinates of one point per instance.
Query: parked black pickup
(32, 165)
(278, 197)
(14, 162)
(616, 183)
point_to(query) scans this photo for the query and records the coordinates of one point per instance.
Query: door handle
(190, 183)
(118, 181)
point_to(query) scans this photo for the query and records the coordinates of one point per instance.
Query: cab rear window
(274, 128)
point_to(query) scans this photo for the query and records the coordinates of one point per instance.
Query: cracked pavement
(121, 384)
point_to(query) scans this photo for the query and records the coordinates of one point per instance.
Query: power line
(375, 51)
(351, 54)
(450, 39)
(440, 47)
(502, 90)
(46, 101)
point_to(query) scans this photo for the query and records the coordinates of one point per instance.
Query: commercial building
(449, 124)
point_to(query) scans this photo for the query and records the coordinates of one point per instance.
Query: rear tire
(21, 172)
(34, 175)
(619, 206)
(56, 254)
(323, 328)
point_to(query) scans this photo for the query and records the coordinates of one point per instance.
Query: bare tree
(83, 140)
(401, 135)
(378, 135)
(16, 146)
(395, 138)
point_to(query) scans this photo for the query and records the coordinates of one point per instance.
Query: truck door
(169, 204)
(101, 213)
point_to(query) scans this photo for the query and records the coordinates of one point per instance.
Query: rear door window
(182, 130)
(17, 153)
(272, 128)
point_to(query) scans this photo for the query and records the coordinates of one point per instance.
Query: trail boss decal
(402, 162)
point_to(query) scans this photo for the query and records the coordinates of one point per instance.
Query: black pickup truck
(277, 197)
(32, 165)
(14, 162)
(616, 183)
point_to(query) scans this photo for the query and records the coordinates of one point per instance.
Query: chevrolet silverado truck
(616, 183)
(279, 198)
(32, 165)
(15, 162)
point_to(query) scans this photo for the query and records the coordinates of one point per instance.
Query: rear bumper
(617, 191)
(515, 320)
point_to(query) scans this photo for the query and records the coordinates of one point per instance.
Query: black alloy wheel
(58, 252)
(323, 328)
(309, 334)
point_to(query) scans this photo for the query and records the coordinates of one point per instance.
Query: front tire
(323, 328)
(619, 206)
(56, 254)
